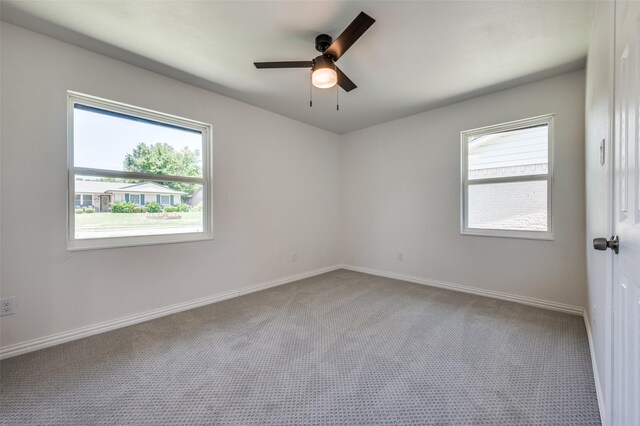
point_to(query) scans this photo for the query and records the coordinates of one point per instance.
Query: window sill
(123, 242)
(522, 235)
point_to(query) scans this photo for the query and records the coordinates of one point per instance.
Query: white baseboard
(596, 376)
(540, 303)
(78, 333)
(58, 338)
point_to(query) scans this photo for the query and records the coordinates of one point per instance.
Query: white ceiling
(418, 55)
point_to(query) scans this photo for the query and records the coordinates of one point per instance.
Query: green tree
(163, 159)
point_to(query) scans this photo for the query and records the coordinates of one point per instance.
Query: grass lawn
(135, 220)
(103, 225)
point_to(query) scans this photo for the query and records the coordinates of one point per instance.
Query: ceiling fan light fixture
(324, 78)
(323, 73)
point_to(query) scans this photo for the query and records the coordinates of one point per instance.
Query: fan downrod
(323, 41)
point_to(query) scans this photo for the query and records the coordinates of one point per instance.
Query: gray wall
(279, 186)
(401, 194)
(275, 183)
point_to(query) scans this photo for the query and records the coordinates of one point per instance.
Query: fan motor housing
(323, 41)
(322, 62)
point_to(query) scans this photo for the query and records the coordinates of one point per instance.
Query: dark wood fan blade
(284, 64)
(344, 81)
(350, 35)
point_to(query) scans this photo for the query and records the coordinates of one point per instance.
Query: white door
(599, 193)
(626, 219)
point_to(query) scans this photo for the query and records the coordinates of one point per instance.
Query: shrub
(153, 207)
(170, 209)
(123, 207)
(183, 208)
(137, 209)
(89, 210)
(79, 211)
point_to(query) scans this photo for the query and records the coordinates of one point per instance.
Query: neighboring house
(521, 152)
(508, 205)
(195, 199)
(100, 195)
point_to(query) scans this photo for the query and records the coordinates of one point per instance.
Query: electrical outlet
(400, 256)
(294, 256)
(8, 306)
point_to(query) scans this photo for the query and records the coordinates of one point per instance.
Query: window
(82, 200)
(135, 199)
(143, 167)
(507, 179)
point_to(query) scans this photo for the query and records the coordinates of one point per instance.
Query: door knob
(603, 244)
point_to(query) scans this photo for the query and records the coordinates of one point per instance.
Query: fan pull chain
(310, 89)
(337, 98)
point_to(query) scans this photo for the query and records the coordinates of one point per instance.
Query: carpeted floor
(340, 348)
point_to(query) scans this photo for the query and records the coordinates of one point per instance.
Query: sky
(102, 141)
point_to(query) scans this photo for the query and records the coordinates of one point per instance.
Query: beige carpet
(340, 348)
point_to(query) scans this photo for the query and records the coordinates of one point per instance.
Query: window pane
(511, 153)
(112, 141)
(86, 200)
(115, 217)
(518, 206)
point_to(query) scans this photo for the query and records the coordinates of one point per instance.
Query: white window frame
(163, 204)
(465, 182)
(206, 179)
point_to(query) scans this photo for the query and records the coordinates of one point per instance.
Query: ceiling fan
(324, 72)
